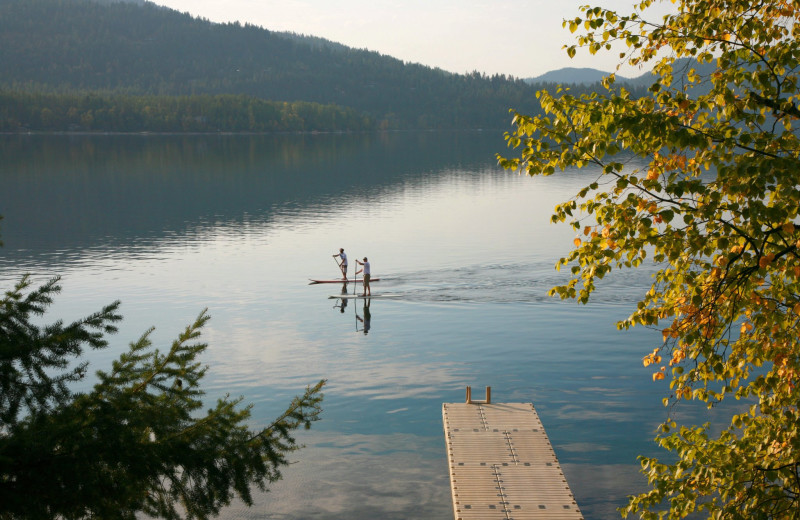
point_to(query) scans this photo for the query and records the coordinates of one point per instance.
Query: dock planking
(502, 465)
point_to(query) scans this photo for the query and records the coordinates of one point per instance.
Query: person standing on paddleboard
(365, 263)
(343, 264)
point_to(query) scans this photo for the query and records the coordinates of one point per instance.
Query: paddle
(339, 266)
(355, 276)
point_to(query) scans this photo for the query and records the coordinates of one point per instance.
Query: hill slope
(570, 75)
(135, 48)
(586, 76)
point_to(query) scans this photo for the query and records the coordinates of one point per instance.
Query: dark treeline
(113, 112)
(66, 46)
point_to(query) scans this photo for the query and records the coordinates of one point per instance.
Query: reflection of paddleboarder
(344, 300)
(367, 317)
(366, 269)
(343, 264)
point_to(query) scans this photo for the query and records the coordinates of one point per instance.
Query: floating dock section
(502, 465)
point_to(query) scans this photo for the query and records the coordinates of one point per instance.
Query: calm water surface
(173, 225)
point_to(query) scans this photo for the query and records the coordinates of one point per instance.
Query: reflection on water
(117, 191)
(407, 480)
(172, 225)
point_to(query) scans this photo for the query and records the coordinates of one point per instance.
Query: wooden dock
(502, 465)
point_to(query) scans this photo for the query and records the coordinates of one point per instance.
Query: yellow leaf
(658, 376)
(677, 357)
(577, 242)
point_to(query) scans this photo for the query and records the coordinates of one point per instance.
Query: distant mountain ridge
(585, 76)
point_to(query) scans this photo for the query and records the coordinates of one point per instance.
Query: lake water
(171, 225)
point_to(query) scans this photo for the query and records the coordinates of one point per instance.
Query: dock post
(488, 396)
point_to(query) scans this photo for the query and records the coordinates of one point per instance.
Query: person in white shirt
(366, 270)
(343, 264)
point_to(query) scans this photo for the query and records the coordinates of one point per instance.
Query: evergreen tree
(135, 443)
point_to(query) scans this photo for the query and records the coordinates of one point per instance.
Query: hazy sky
(522, 38)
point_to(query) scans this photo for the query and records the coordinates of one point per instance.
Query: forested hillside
(89, 112)
(82, 46)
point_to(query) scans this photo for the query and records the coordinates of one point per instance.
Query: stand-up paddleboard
(362, 297)
(341, 280)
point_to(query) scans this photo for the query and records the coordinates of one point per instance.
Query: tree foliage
(138, 441)
(715, 206)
